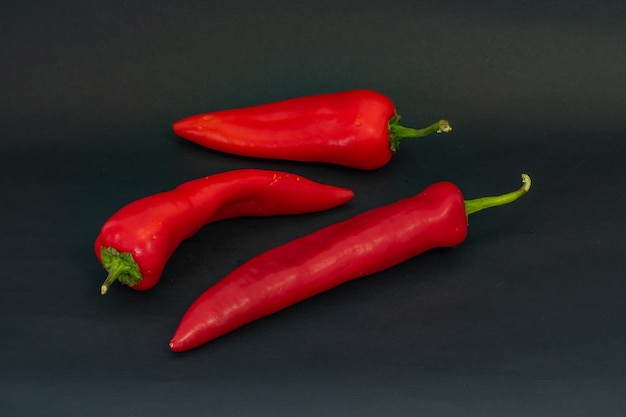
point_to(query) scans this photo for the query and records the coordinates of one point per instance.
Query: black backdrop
(523, 319)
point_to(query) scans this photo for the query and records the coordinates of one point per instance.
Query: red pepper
(136, 242)
(358, 129)
(367, 243)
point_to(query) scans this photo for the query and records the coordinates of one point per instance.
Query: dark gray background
(525, 318)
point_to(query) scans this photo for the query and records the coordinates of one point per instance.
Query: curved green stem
(398, 132)
(478, 204)
(121, 267)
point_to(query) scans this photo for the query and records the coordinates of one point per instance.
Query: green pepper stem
(121, 267)
(111, 278)
(478, 204)
(398, 132)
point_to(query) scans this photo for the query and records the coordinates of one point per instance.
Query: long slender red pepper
(367, 243)
(136, 242)
(356, 128)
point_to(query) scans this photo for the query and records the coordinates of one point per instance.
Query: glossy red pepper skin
(151, 228)
(367, 243)
(350, 128)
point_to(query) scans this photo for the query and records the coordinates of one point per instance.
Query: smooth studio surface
(525, 318)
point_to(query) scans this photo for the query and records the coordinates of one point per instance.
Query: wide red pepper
(357, 128)
(367, 243)
(136, 242)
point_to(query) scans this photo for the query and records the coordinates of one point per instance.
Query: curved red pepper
(360, 246)
(357, 128)
(136, 242)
